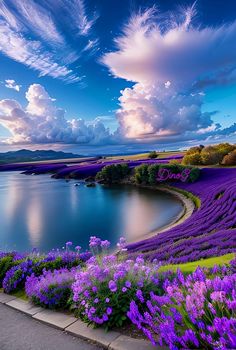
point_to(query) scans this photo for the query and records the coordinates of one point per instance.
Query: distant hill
(25, 155)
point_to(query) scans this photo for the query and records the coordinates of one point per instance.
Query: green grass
(191, 266)
(20, 294)
(196, 200)
(144, 155)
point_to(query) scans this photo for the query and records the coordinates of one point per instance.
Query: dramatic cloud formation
(42, 122)
(11, 84)
(31, 34)
(171, 61)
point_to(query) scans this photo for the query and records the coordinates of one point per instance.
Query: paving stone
(126, 343)
(57, 319)
(24, 306)
(5, 298)
(97, 335)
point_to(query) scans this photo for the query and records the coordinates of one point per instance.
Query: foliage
(52, 289)
(15, 277)
(192, 159)
(152, 155)
(148, 174)
(230, 159)
(141, 174)
(103, 291)
(7, 261)
(113, 173)
(196, 312)
(209, 155)
(14, 272)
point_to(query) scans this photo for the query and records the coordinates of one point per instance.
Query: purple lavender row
(210, 231)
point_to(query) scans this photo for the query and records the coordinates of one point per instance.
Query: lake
(38, 211)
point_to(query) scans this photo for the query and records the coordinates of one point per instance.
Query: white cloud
(171, 61)
(42, 122)
(11, 84)
(83, 22)
(36, 18)
(31, 34)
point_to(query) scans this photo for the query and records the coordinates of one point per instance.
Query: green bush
(194, 174)
(192, 159)
(210, 157)
(196, 149)
(113, 173)
(141, 175)
(152, 173)
(152, 155)
(6, 263)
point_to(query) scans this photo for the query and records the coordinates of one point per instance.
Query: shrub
(196, 149)
(210, 156)
(141, 175)
(194, 313)
(103, 291)
(152, 155)
(230, 159)
(15, 277)
(14, 272)
(192, 159)
(113, 173)
(52, 289)
(167, 172)
(7, 261)
(225, 148)
(194, 174)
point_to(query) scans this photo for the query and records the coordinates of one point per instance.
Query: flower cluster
(52, 289)
(195, 312)
(15, 267)
(103, 291)
(16, 276)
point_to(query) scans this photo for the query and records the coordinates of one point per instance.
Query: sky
(106, 76)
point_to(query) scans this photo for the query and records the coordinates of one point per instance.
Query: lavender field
(210, 231)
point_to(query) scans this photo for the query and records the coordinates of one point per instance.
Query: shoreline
(188, 209)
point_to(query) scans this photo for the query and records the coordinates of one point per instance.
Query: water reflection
(37, 211)
(34, 219)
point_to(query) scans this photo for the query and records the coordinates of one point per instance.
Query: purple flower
(139, 295)
(109, 311)
(128, 284)
(112, 286)
(105, 244)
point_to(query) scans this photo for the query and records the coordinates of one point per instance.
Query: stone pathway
(19, 332)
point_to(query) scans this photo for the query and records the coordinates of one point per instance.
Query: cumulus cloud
(31, 34)
(170, 60)
(11, 84)
(42, 122)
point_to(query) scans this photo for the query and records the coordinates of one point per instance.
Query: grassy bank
(191, 266)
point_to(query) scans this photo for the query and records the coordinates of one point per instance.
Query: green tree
(152, 155)
(192, 159)
(113, 173)
(141, 175)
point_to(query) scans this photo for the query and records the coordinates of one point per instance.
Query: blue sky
(116, 75)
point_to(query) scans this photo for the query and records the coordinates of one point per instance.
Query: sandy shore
(188, 208)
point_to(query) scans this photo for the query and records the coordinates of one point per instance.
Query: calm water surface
(37, 211)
